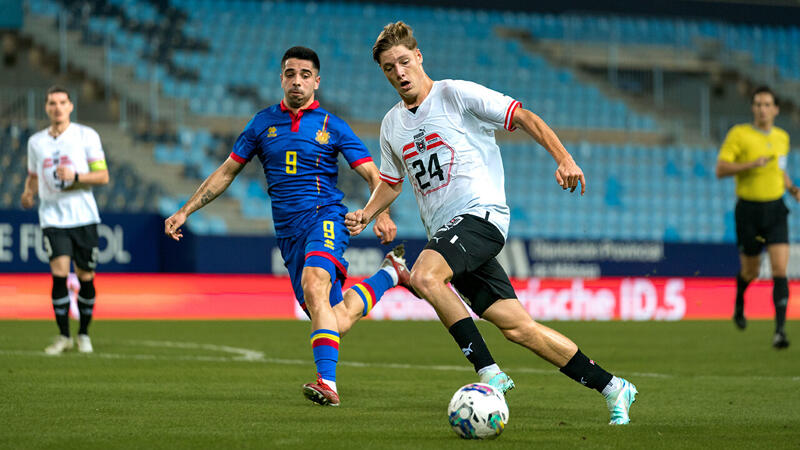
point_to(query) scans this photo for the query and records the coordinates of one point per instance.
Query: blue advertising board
(136, 243)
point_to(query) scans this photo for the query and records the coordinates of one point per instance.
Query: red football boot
(395, 259)
(321, 393)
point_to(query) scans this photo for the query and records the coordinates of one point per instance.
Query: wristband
(76, 177)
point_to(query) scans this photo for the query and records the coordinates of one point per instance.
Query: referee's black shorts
(759, 224)
(469, 244)
(79, 243)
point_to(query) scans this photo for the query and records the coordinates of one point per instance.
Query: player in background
(755, 155)
(441, 133)
(64, 161)
(298, 144)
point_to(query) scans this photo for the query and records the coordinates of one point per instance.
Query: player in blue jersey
(298, 144)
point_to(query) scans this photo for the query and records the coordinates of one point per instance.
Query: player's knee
(315, 289)
(424, 282)
(520, 333)
(749, 274)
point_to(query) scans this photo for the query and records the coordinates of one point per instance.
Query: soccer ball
(478, 411)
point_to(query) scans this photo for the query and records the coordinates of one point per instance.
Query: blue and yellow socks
(325, 345)
(372, 289)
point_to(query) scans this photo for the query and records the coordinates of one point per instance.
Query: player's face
(764, 109)
(299, 80)
(58, 107)
(403, 68)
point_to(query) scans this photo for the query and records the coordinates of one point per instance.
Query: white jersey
(449, 150)
(78, 146)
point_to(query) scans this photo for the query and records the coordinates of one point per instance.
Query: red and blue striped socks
(325, 345)
(372, 289)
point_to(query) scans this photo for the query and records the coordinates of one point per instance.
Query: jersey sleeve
(392, 170)
(32, 163)
(246, 145)
(354, 151)
(487, 105)
(95, 156)
(731, 147)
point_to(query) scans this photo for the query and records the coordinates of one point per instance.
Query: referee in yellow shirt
(755, 154)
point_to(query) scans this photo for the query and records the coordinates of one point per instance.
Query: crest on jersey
(419, 141)
(323, 137)
(272, 132)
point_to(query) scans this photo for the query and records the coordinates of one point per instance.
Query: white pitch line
(248, 355)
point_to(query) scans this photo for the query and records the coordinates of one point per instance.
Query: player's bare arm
(28, 198)
(727, 169)
(568, 174)
(94, 177)
(381, 198)
(794, 191)
(211, 188)
(384, 228)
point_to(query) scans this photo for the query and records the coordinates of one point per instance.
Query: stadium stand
(647, 182)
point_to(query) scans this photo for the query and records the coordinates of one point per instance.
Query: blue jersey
(299, 155)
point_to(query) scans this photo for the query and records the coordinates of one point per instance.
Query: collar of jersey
(313, 105)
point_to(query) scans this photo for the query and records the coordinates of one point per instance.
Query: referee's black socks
(586, 372)
(60, 297)
(741, 286)
(780, 298)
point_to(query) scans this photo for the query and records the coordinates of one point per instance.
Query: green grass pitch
(184, 384)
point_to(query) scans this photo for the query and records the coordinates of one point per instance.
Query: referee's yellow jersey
(745, 143)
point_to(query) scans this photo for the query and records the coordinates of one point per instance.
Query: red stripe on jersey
(332, 259)
(408, 146)
(238, 158)
(361, 161)
(410, 155)
(509, 123)
(325, 341)
(390, 180)
(435, 144)
(432, 136)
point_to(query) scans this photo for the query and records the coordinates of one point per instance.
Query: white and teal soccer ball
(478, 411)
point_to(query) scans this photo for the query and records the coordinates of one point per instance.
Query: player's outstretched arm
(211, 188)
(28, 198)
(568, 174)
(384, 228)
(383, 196)
(727, 168)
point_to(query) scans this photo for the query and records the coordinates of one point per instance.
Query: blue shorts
(321, 245)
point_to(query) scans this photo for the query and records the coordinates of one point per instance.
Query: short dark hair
(55, 89)
(301, 53)
(393, 34)
(763, 90)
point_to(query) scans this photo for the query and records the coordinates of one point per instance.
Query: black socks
(471, 342)
(86, 305)
(586, 372)
(741, 286)
(780, 298)
(60, 297)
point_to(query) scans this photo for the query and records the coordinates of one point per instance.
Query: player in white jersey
(441, 134)
(64, 161)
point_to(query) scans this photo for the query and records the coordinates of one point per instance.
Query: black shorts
(79, 243)
(759, 224)
(469, 244)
